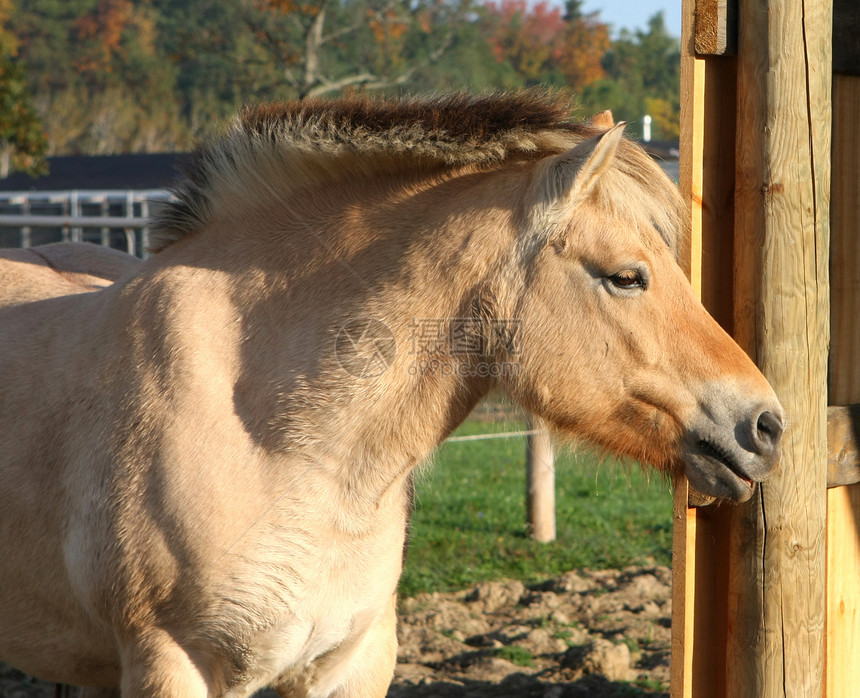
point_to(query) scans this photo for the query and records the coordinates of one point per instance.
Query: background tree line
(107, 76)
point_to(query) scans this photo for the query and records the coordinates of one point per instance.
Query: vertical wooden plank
(683, 590)
(684, 532)
(700, 541)
(540, 483)
(843, 592)
(776, 598)
(711, 601)
(843, 503)
(718, 186)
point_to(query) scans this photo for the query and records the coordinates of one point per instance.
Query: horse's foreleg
(371, 668)
(157, 667)
(365, 672)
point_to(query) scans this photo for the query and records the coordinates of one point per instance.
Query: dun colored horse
(206, 457)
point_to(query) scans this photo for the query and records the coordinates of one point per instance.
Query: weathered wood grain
(716, 27)
(776, 596)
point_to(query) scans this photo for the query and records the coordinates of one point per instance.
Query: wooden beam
(699, 604)
(716, 27)
(778, 561)
(843, 447)
(683, 590)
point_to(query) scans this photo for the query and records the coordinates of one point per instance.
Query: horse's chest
(318, 605)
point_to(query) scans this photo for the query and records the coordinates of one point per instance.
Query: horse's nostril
(768, 432)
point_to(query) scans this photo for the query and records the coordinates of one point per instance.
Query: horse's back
(60, 269)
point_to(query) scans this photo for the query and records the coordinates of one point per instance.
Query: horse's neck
(294, 292)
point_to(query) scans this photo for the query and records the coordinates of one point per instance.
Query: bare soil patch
(600, 634)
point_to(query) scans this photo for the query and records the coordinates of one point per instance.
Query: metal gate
(113, 218)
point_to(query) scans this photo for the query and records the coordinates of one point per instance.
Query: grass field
(469, 521)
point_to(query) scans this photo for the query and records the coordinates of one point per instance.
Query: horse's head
(614, 347)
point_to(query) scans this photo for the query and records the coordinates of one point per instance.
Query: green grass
(469, 521)
(516, 655)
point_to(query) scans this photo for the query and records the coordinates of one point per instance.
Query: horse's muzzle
(726, 453)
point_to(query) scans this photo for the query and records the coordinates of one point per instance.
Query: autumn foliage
(23, 143)
(144, 75)
(537, 39)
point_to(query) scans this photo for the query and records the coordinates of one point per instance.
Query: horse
(206, 457)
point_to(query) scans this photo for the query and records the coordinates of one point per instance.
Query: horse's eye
(628, 279)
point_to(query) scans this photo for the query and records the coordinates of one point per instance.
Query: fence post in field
(540, 482)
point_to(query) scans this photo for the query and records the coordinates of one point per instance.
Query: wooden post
(540, 483)
(777, 575)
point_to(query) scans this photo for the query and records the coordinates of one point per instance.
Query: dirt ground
(601, 634)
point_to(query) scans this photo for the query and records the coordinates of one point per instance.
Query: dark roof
(149, 171)
(137, 171)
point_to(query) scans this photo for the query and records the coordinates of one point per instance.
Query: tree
(544, 45)
(585, 43)
(528, 36)
(99, 80)
(22, 141)
(132, 75)
(326, 46)
(644, 68)
(218, 61)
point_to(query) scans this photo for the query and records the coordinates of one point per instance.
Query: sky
(634, 14)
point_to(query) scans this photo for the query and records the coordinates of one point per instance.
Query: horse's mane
(301, 140)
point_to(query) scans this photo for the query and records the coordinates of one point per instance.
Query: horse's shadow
(517, 686)
(525, 686)
(514, 686)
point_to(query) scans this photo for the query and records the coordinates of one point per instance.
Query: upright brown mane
(454, 129)
(281, 141)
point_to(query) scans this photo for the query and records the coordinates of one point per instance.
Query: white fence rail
(113, 218)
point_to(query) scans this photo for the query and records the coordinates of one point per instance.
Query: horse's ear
(602, 119)
(571, 175)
